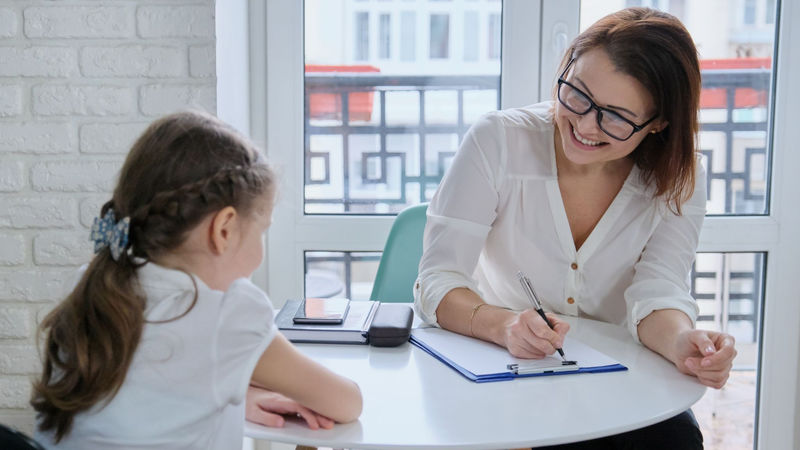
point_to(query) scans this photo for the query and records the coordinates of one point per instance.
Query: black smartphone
(322, 310)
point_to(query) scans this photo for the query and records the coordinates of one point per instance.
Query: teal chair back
(400, 260)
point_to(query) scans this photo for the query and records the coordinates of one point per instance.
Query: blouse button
(574, 266)
(570, 300)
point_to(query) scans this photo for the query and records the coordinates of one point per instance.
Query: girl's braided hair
(184, 167)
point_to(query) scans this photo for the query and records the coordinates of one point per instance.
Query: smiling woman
(598, 196)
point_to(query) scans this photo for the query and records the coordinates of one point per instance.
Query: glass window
(494, 36)
(736, 66)
(340, 274)
(385, 38)
(770, 19)
(678, 9)
(362, 36)
(749, 12)
(729, 288)
(380, 132)
(440, 36)
(471, 36)
(408, 36)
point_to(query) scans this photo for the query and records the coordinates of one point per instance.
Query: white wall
(232, 66)
(78, 81)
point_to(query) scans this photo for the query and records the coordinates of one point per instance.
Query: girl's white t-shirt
(186, 385)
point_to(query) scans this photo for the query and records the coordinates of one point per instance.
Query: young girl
(158, 342)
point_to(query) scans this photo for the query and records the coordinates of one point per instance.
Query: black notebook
(354, 329)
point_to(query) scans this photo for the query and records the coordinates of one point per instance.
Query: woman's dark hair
(656, 49)
(184, 167)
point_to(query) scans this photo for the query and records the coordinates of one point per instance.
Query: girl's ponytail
(92, 337)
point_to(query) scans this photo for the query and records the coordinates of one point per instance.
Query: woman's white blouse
(499, 210)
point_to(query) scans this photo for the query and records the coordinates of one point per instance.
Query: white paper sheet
(484, 358)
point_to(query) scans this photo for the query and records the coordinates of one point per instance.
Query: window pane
(408, 35)
(471, 36)
(494, 36)
(735, 106)
(381, 126)
(341, 274)
(362, 36)
(385, 49)
(440, 36)
(729, 288)
(749, 12)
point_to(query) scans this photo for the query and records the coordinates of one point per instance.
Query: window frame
(528, 74)
(279, 122)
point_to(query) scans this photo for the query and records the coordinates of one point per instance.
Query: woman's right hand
(527, 335)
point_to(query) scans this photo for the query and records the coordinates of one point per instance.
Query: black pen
(528, 288)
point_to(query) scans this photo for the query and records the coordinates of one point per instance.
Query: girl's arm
(282, 368)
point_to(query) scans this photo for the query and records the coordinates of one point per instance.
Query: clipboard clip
(566, 366)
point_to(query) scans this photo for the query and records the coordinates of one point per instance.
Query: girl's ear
(224, 225)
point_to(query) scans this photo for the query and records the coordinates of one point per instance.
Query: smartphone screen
(322, 310)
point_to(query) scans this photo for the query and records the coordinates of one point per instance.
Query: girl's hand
(267, 408)
(708, 355)
(528, 336)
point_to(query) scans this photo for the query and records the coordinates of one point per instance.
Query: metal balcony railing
(339, 91)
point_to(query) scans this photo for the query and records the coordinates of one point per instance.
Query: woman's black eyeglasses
(609, 121)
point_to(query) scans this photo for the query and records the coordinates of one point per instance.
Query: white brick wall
(10, 100)
(175, 21)
(134, 61)
(158, 99)
(36, 137)
(79, 81)
(12, 249)
(12, 177)
(15, 322)
(74, 176)
(24, 60)
(109, 137)
(92, 100)
(8, 23)
(79, 21)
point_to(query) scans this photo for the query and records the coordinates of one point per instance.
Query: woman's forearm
(659, 330)
(457, 312)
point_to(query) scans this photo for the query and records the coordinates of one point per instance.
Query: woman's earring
(653, 131)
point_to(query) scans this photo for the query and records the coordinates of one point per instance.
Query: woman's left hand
(708, 355)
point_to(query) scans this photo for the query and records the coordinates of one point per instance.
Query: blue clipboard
(460, 353)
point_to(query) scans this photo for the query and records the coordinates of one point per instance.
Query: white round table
(413, 400)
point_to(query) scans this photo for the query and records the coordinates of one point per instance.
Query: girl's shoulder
(170, 292)
(243, 290)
